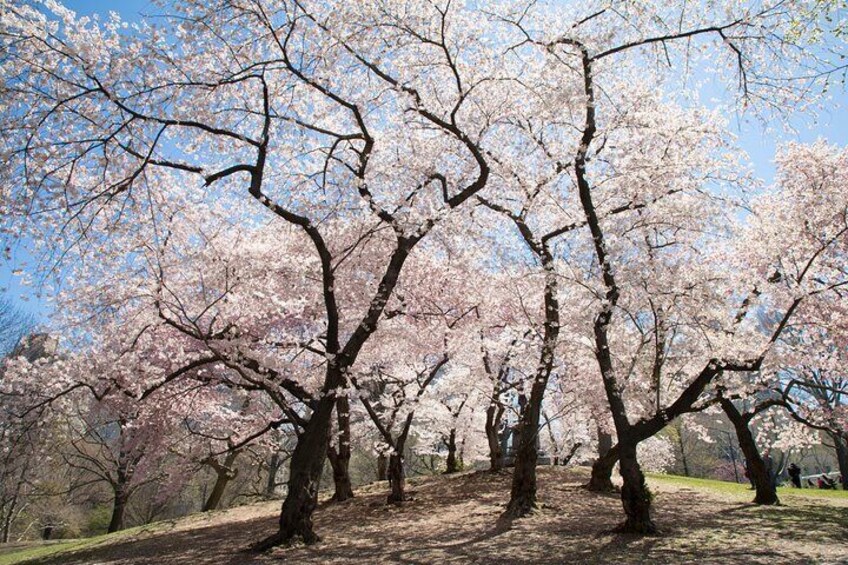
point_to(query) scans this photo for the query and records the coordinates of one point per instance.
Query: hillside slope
(456, 520)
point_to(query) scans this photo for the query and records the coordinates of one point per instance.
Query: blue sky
(129, 9)
(831, 125)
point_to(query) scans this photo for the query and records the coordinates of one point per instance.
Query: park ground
(456, 520)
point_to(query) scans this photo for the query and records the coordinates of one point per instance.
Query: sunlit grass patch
(743, 489)
(38, 550)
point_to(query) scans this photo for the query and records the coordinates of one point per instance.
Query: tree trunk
(841, 447)
(7, 527)
(758, 472)
(635, 495)
(601, 480)
(9, 509)
(382, 467)
(452, 464)
(343, 489)
(604, 442)
(118, 507)
(396, 478)
(523, 494)
(273, 469)
(340, 455)
(217, 493)
(493, 422)
(682, 448)
(307, 463)
(571, 453)
(224, 473)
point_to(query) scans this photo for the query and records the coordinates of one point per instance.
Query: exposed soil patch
(456, 520)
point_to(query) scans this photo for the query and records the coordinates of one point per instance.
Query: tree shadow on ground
(457, 520)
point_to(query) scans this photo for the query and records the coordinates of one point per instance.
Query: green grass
(38, 550)
(743, 489)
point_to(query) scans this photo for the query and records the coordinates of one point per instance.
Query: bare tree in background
(14, 325)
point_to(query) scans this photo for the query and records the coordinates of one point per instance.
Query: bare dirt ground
(456, 520)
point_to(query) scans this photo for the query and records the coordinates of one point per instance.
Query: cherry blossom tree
(240, 208)
(757, 467)
(810, 378)
(393, 416)
(591, 60)
(504, 349)
(457, 413)
(225, 424)
(284, 116)
(23, 437)
(567, 418)
(414, 349)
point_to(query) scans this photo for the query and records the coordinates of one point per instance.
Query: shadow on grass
(457, 520)
(790, 521)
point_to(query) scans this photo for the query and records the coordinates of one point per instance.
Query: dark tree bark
(841, 447)
(635, 495)
(452, 463)
(604, 442)
(495, 411)
(397, 479)
(395, 472)
(7, 526)
(758, 471)
(224, 473)
(304, 476)
(307, 461)
(274, 465)
(601, 480)
(552, 437)
(342, 487)
(682, 447)
(339, 455)
(11, 505)
(570, 455)
(308, 457)
(494, 417)
(121, 489)
(382, 467)
(213, 501)
(522, 499)
(119, 506)
(523, 493)
(636, 498)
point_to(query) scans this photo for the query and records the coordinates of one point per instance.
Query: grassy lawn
(19, 554)
(742, 489)
(706, 521)
(36, 550)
